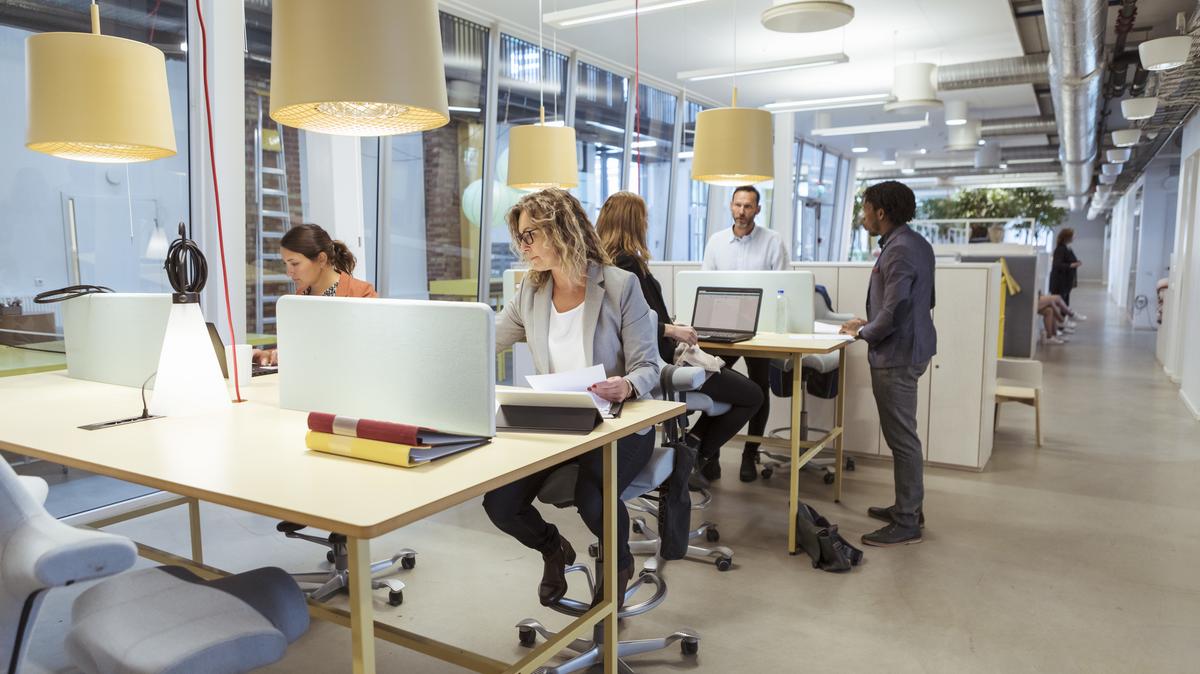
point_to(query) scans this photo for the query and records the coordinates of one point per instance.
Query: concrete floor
(1079, 557)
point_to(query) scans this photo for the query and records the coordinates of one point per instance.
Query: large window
(822, 185)
(652, 152)
(690, 226)
(120, 216)
(529, 79)
(601, 106)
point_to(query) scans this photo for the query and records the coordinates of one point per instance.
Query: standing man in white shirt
(746, 247)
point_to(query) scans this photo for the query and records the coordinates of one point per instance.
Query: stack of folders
(383, 441)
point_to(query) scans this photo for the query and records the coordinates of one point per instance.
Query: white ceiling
(883, 33)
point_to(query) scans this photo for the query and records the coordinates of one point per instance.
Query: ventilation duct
(1033, 69)
(1075, 30)
(1018, 126)
(956, 171)
(1030, 153)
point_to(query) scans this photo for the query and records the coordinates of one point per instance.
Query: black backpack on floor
(822, 542)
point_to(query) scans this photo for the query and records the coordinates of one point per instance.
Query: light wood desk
(795, 347)
(253, 458)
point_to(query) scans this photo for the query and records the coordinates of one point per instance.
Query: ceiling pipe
(1018, 126)
(956, 171)
(1075, 30)
(1027, 153)
(1033, 69)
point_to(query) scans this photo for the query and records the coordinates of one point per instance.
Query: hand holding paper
(574, 381)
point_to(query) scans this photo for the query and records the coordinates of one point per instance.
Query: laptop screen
(727, 309)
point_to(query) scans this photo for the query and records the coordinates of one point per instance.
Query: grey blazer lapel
(592, 303)
(539, 338)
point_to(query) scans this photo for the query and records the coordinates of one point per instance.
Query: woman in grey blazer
(575, 309)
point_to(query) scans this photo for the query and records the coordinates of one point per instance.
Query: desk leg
(194, 524)
(794, 467)
(839, 420)
(362, 612)
(611, 555)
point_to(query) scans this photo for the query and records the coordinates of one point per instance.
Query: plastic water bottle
(781, 316)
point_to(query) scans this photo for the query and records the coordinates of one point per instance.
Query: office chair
(161, 619)
(337, 578)
(681, 384)
(814, 365)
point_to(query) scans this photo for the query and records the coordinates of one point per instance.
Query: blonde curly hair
(560, 217)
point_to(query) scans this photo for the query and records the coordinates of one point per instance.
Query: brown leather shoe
(554, 576)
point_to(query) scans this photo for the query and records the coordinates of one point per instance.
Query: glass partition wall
(601, 120)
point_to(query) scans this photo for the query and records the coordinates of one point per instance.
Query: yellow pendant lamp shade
(733, 146)
(541, 156)
(97, 98)
(358, 67)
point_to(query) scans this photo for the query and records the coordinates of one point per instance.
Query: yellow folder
(405, 456)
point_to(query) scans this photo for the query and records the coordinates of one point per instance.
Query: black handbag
(821, 540)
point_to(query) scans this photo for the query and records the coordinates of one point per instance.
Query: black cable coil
(186, 268)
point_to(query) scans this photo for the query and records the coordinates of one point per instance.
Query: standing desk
(794, 348)
(253, 458)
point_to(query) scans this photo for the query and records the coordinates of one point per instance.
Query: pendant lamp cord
(541, 60)
(212, 160)
(637, 84)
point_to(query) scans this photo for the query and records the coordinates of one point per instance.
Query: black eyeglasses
(526, 237)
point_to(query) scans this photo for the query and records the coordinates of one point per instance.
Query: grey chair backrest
(40, 553)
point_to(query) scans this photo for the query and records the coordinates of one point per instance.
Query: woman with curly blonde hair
(575, 310)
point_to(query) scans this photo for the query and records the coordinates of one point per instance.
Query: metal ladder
(274, 217)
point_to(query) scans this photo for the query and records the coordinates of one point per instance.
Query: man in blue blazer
(900, 341)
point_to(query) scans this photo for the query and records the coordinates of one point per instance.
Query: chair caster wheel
(724, 563)
(850, 463)
(408, 563)
(637, 528)
(689, 646)
(329, 557)
(593, 551)
(395, 598)
(828, 478)
(712, 535)
(767, 473)
(526, 636)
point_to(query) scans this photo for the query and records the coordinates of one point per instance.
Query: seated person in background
(317, 265)
(1055, 318)
(574, 309)
(622, 228)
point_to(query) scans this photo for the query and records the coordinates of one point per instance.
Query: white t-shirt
(760, 250)
(566, 340)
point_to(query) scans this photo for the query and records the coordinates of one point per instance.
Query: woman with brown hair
(622, 226)
(1062, 269)
(575, 310)
(318, 265)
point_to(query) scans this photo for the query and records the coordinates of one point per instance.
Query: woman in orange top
(318, 265)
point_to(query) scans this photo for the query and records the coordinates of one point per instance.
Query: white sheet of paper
(575, 380)
(825, 328)
(823, 338)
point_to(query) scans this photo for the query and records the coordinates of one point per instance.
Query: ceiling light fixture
(609, 11)
(822, 127)
(97, 98)
(1165, 53)
(907, 167)
(1126, 137)
(889, 157)
(913, 88)
(762, 68)
(860, 145)
(1111, 169)
(643, 143)
(862, 101)
(463, 108)
(540, 155)
(964, 137)
(1108, 179)
(1139, 108)
(1119, 155)
(956, 113)
(806, 16)
(330, 76)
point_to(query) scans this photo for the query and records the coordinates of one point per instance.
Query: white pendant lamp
(956, 113)
(733, 146)
(860, 145)
(1110, 169)
(1165, 52)
(1119, 155)
(806, 16)
(357, 67)
(1126, 137)
(1108, 179)
(1139, 108)
(913, 88)
(987, 156)
(540, 156)
(97, 98)
(889, 157)
(908, 166)
(964, 137)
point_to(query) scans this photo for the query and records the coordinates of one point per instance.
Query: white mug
(243, 363)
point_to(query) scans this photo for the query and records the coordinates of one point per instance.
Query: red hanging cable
(212, 160)
(637, 78)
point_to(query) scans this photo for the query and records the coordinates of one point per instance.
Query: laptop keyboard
(718, 334)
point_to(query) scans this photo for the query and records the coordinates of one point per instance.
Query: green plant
(995, 202)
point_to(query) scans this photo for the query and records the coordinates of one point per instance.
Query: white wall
(1187, 252)
(1159, 198)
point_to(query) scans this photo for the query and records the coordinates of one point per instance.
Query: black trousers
(727, 386)
(759, 371)
(511, 507)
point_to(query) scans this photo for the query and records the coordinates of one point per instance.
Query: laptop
(218, 345)
(726, 315)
